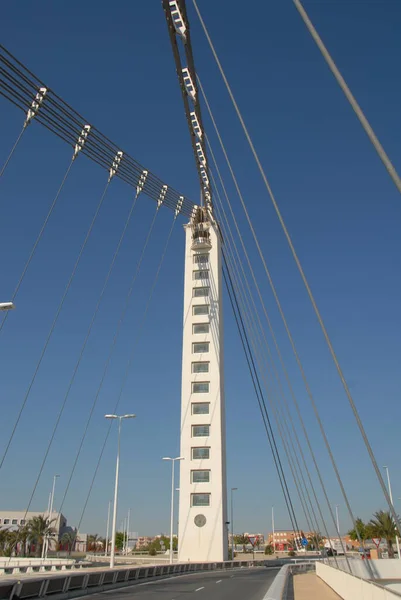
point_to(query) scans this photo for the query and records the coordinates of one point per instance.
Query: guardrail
(17, 567)
(80, 584)
(279, 589)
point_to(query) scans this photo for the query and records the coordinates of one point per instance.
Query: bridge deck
(309, 585)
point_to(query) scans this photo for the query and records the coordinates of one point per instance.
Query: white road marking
(219, 581)
(199, 589)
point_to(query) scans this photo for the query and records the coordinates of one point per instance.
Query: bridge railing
(80, 583)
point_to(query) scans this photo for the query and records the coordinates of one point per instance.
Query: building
(203, 504)
(283, 540)
(13, 519)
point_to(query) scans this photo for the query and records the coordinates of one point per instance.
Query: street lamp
(113, 529)
(391, 500)
(172, 502)
(232, 522)
(46, 542)
(7, 305)
(338, 522)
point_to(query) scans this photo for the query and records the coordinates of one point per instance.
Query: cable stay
(124, 381)
(308, 289)
(19, 86)
(110, 353)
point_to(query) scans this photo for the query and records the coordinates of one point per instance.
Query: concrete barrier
(79, 584)
(279, 588)
(16, 567)
(352, 587)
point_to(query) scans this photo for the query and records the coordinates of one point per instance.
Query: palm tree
(243, 540)
(23, 537)
(39, 529)
(69, 538)
(315, 540)
(4, 535)
(382, 526)
(93, 542)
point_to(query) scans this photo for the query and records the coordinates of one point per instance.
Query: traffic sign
(304, 542)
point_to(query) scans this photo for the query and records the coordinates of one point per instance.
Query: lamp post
(234, 489)
(274, 541)
(390, 493)
(107, 530)
(113, 528)
(172, 501)
(338, 522)
(46, 542)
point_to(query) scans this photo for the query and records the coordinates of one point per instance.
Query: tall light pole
(338, 522)
(127, 544)
(390, 493)
(274, 541)
(172, 502)
(50, 511)
(107, 529)
(7, 305)
(232, 522)
(113, 528)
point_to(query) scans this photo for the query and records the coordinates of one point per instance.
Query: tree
(39, 529)
(93, 542)
(68, 539)
(269, 549)
(382, 526)
(120, 537)
(363, 529)
(315, 540)
(23, 538)
(242, 540)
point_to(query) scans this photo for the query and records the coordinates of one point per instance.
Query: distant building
(12, 519)
(283, 539)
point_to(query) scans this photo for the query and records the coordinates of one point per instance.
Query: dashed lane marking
(199, 589)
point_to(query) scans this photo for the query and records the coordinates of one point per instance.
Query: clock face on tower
(200, 520)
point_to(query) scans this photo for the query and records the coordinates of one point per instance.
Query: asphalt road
(241, 584)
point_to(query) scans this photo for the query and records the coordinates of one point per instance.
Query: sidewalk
(309, 586)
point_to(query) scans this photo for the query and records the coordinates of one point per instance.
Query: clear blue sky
(114, 65)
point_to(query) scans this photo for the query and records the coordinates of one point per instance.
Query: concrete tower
(202, 533)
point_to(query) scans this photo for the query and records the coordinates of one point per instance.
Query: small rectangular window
(200, 367)
(200, 453)
(200, 476)
(200, 292)
(200, 430)
(22, 522)
(14, 522)
(6, 521)
(201, 274)
(200, 499)
(200, 347)
(200, 309)
(200, 328)
(200, 408)
(200, 387)
(201, 259)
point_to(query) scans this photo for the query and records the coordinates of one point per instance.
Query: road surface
(240, 584)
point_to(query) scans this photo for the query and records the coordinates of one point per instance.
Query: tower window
(200, 453)
(200, 309)
(201, 274)
(200, 499)
(200, 347)
(200, 367)
(200, 387)
(200, 430)
(200, 328)
(200, 476)
(200, 292)
(201, 259)
(200, 408)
